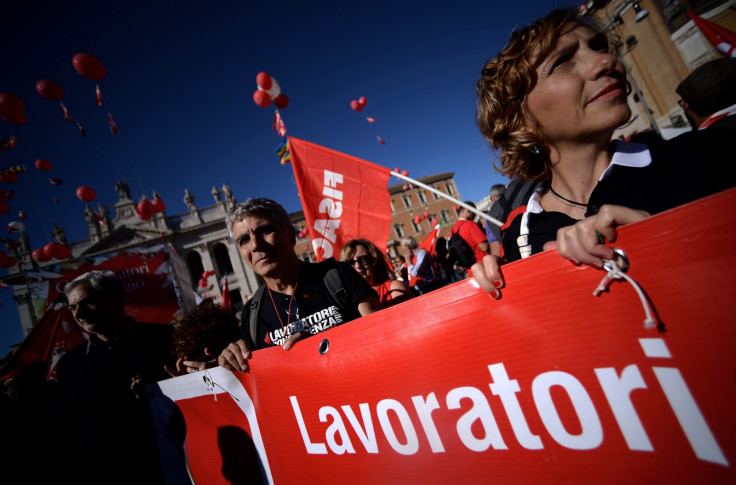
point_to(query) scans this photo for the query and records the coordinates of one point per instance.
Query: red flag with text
(723, 40)
(343, 197)
(549, 384)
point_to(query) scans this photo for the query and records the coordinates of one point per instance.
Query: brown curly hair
(201, 328)
(502, 113)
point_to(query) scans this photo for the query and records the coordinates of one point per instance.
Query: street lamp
(641, 13)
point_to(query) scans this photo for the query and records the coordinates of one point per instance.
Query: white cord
(614, 272)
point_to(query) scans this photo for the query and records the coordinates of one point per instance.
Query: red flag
(343, 197)
(430, 242)
(723, 40)
(370, 119)
(381, 140)
(226, 303)
(66, 112)
(98, 97)
(278, 124)
(113, 126)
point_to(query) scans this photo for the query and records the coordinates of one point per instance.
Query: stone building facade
(201, 239)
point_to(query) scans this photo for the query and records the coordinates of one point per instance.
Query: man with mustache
(294, 302)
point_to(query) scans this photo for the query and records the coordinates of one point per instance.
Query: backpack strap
(336, 289)
(255, 313)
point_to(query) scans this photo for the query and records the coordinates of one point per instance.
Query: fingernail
(493, 293)
(497, 284)
(574, 261)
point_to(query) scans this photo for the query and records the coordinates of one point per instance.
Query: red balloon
(397, 170)
(50, 90)
(203, 283)
(417, 220)
(8, 143)
(89, 67)
(261, 98)
(405, 187)
(43, 165)
(354, 105)
(405, 173)
(145, 210)
(15, 117)
(40, 255)
(9, 177)
(457, 208)
(12, 103)
(434, 222)
(362, 101)
(4, 208)
(264, 80)
(86, 194)
(281, 101)
(23, 216)
(425, 215)
(158, 205)
(6, 261)
(57, 250)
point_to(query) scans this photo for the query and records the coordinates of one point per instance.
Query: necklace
(568, 202)
(288, 314)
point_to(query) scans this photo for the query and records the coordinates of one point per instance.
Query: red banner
(722, 39)
(549, 384)
(343, 197)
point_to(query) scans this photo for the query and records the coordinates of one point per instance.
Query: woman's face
(362, 262)
(580, 92)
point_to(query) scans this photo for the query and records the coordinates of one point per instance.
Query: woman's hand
(580, 243)
(185, 366)
(488, 275)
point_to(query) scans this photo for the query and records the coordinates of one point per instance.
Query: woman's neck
(576, 170)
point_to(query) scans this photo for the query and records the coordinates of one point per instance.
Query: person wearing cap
(708, 95)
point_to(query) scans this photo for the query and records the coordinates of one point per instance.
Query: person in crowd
(201, 336)
(471, 233)
(105, 421)
(550, 101)
(422, 276)
(497, 190)
(708, 97)
(371, 264)
(400, 271)
(295, 301)
(510, 203)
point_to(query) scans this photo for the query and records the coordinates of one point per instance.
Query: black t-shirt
(686, 168)
(312, 304)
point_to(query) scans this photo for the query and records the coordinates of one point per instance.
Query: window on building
(435, 193)
(417, 227)
(422, 196)
(407, 200)
(393, 209)
(399, 230)
(449, 188)
(445, 215)
(222, 260)
(194, 263)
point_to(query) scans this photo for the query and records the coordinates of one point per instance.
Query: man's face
(93, 311)
(264, 244)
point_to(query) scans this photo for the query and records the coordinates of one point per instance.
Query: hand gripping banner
(549, 384)
(343, 197)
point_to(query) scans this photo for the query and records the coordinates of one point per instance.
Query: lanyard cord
(288, 314)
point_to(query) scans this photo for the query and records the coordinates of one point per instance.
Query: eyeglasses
(362, 260)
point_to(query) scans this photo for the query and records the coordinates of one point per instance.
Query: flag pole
(448, 197)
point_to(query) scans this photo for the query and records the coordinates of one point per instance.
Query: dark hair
(506, 80)
(193, 332)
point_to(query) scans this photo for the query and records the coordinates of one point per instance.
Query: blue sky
(179, 84)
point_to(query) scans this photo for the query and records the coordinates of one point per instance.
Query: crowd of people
(550, 102)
